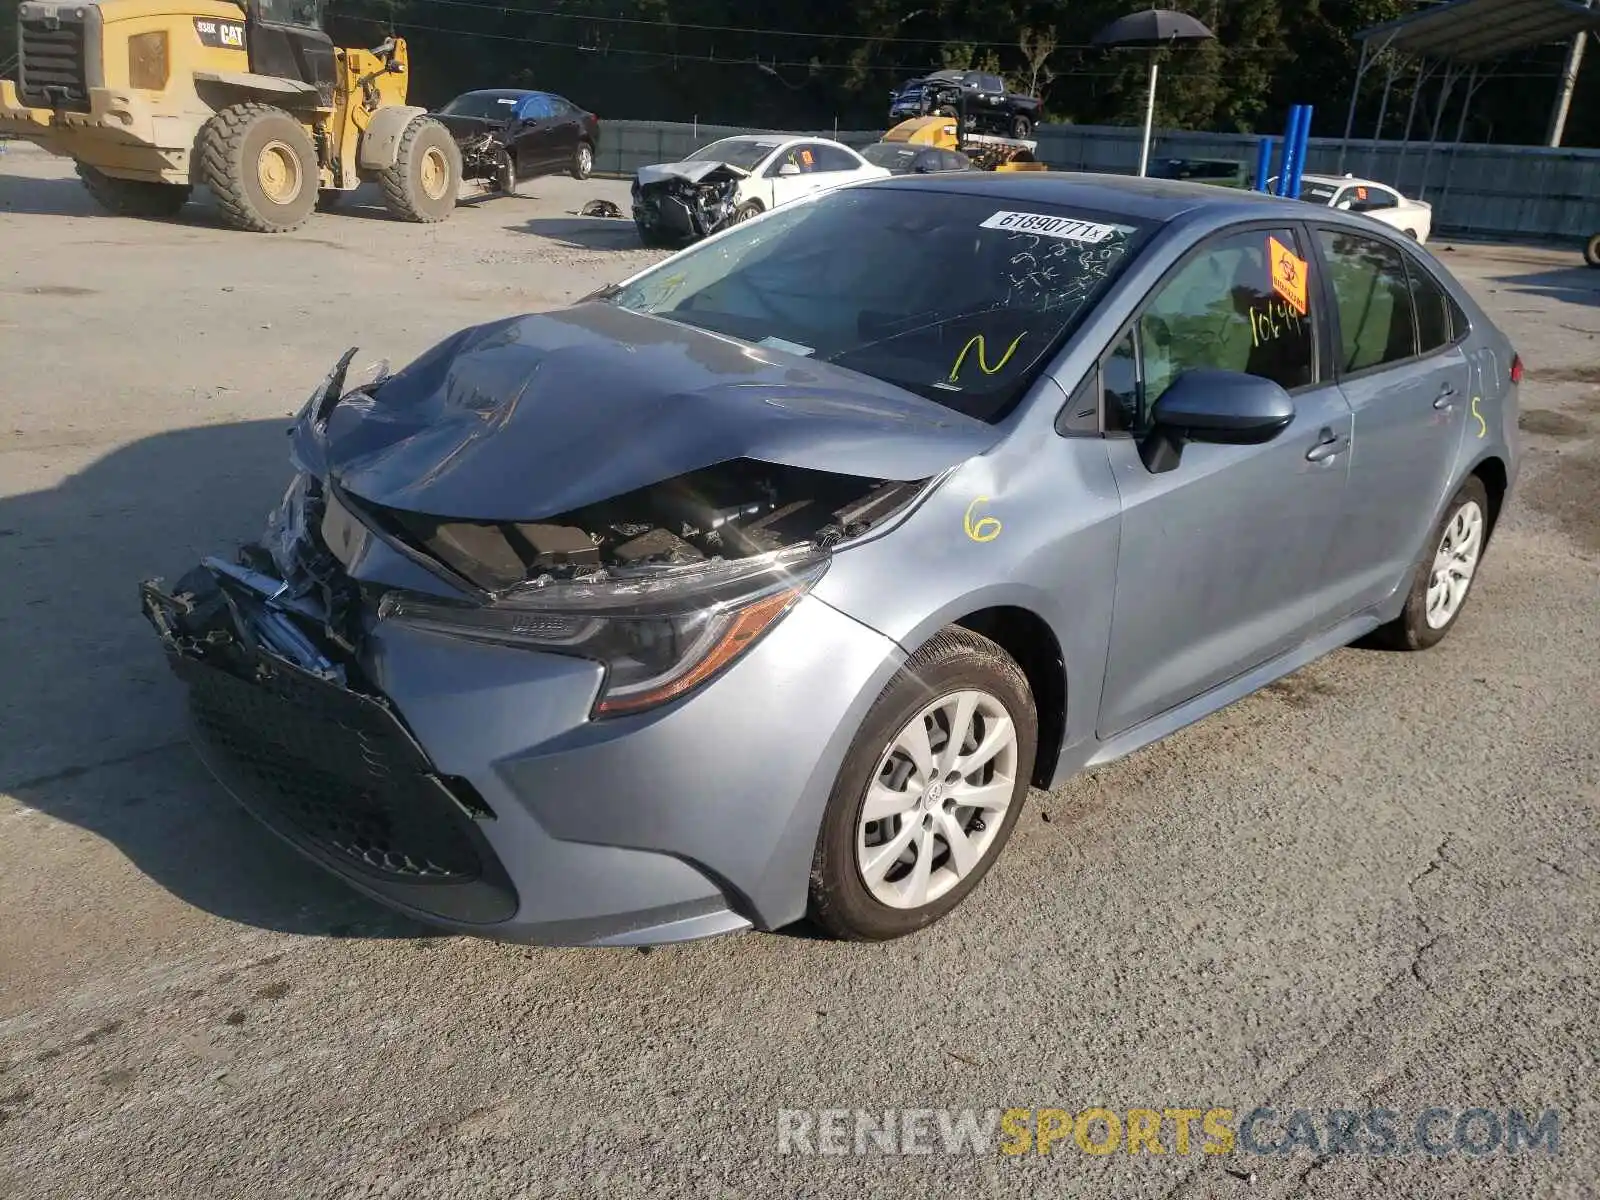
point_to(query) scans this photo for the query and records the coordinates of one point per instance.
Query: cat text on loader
(986, 152)
(152, 98)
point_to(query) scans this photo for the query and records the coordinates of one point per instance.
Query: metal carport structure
(1464, 38)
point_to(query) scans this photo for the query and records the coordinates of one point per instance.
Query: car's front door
(794, 173)
(1403, 370)
(533, 135)
(1220, 561)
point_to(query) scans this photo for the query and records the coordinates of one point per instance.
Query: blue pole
(1302, 145)
(1263, 164)
(1286, 172)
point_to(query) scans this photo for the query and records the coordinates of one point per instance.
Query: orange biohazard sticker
(1288, 275)
(1361, 193)
(805, 157)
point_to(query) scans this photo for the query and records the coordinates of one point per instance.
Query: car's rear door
(1402, 367)
(1221, 558)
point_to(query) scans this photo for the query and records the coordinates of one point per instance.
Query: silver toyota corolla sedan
(765, 583)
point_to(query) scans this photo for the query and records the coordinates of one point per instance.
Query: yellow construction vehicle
(988, 153)
(151, 98)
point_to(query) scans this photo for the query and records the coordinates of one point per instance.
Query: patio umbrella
(1151, 30)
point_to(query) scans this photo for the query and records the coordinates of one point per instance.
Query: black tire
(583, 160)
(1591, 250)
(233, 147)
(1021, 126)
(652, 239)
(748, 211)
(133, 197)
(954, 660)
(425, 180)
(1410, 630)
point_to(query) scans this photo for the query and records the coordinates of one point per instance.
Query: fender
(381, 142)
(266, 84)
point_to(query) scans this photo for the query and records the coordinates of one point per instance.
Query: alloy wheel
(1454, 563)
(937, 800)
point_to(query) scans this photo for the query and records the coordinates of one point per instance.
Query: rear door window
(1432, 307)
(1372, 299)
(831, 158)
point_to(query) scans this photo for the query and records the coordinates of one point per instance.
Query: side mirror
(788, 168)
(1205, 405)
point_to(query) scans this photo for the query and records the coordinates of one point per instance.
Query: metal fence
(1476, 190)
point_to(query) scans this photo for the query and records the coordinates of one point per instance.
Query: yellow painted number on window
(983, 529)
(1483, 426)
(983, 358)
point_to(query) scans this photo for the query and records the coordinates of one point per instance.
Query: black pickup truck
(980, 100)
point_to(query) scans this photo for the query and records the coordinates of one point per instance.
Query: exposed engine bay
(733, 510)
(686, 201)
(484, 157)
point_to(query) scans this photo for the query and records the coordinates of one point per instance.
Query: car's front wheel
(1445, 574)
(928, 793)
(1591, 250)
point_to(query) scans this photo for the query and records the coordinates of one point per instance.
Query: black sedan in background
(510, 134)
(905, 158)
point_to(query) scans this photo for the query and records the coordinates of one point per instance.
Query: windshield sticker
(1288, 275)
(1048, 226)
(506, 100)
(983, 358)
(981, 529)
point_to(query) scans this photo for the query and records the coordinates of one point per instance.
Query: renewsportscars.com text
(1377, 1132)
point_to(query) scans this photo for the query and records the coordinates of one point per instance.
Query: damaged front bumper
(684, 202)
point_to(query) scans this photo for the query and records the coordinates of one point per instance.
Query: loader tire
(260, 164)
(425, 180)
(133, 197)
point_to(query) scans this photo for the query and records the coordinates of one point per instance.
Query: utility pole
(1569, 82)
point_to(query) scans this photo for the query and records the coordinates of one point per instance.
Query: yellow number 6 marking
(1483, 426)
(984, 529)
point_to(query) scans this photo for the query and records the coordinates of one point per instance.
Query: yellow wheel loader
(152, 98)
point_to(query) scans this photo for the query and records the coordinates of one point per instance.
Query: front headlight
(660, 636)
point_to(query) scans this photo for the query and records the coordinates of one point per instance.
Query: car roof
(1158, 200)
(1347, 180)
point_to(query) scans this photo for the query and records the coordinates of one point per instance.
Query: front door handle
(1328, 444)
(1446, 398)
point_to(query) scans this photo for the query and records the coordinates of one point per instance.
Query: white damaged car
(736, 179)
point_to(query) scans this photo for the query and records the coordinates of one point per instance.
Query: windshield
(482, 104)
(958, 298)
(742, 152)
(889, 156)
(305, 13)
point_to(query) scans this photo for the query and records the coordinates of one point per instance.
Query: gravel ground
(1374, 885)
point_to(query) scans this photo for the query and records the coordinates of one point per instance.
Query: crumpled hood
(693, 172)
(537, 415)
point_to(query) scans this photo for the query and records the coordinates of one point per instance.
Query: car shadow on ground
(585, 233)
(1574, 285)
(91, 721)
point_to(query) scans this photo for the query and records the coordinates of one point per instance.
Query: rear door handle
(1328, 444)
(1446, 397)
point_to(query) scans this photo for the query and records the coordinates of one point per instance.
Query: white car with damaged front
(736, 179)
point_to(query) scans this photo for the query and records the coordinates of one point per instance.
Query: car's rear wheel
(1021, 127)
(1444, 577)
(583, 161)
(1591, 250)
(928, 793)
